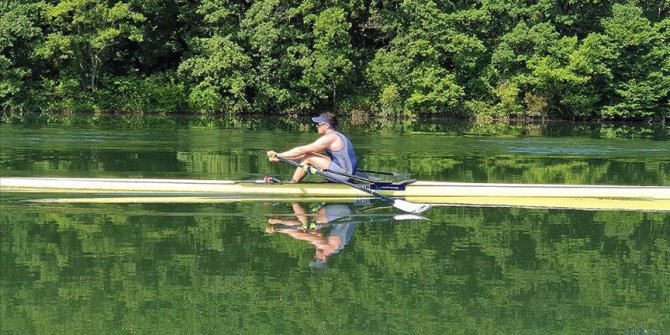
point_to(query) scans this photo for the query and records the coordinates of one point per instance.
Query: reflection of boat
(653, 198)
(569, 203)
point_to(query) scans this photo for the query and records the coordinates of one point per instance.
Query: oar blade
(403, 176)
(410, 207)
(403, 217)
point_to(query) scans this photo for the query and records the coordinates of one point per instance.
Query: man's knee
(316, 161)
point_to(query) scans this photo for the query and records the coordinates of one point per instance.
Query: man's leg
(318, 161)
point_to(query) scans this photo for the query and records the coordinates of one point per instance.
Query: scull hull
(655, 198)
(417, 189)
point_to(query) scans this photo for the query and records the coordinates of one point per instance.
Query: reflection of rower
(328, 239)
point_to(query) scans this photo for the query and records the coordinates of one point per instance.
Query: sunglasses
(321, 124)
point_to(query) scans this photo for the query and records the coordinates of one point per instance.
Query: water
(253, 267)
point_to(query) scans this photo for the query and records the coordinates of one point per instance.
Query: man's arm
(322, 143)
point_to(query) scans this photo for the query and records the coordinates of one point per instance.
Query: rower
(340, 155)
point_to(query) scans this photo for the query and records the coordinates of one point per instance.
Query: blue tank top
(345, 158)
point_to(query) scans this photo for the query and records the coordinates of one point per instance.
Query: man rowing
(340, 157)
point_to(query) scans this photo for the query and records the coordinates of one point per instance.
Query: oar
(397, 175)
(359, 178)
(402, 205)
(371, 181)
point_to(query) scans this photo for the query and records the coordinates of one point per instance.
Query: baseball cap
(328, 118)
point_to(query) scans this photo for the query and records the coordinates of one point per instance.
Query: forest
(485, 60)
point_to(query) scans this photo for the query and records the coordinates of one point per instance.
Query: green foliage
(167, 27)
(411, 75)
(434, 90)
(85, 34)
(63, 95)
(159, 94)
(509, 104)
(541, 59)
(537, 63)
(218, 72)
(326, 66)
(268, 37)
(641, 67)
(390, 101)
(18, 34)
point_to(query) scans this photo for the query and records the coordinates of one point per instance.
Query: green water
(218, 269)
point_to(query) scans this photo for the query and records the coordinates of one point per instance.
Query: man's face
(321, 128)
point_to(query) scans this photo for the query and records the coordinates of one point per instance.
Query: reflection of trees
(211, 148)
(239, 163)
(152, 268)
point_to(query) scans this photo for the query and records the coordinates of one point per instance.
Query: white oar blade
(403, 217)
(410, 207)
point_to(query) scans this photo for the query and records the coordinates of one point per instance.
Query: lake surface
(257, 267)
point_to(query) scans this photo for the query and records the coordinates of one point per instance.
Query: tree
(168, 25)
(641, 67)
(218, 75)
(627, 66)
(534, 67)
(415, 74)
(327, 65)
(84, 36)
(18, 34)
(273, 30)
(218, 69)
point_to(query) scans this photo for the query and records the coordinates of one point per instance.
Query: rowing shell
(416, 189)
(654, 198)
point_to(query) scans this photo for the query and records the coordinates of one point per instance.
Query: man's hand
(310, 169)
(272, 156)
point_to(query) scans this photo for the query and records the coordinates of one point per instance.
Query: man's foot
(271, 180)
